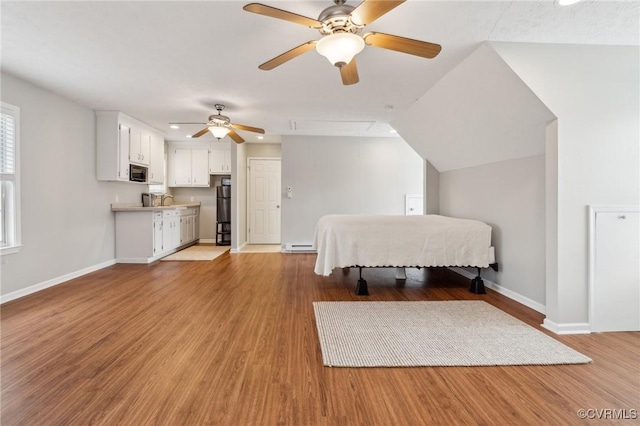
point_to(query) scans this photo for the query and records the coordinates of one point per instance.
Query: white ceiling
(165, 62)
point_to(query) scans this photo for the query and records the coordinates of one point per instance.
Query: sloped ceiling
(479, 113)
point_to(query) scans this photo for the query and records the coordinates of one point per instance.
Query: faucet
(164, 197)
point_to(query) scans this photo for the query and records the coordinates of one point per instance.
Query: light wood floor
(233, 342)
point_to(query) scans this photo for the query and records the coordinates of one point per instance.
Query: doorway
(264, 200)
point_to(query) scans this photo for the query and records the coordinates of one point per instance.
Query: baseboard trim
(566, 328)
(238, 249)
(536, 306)
(54, 281)
(207, 241)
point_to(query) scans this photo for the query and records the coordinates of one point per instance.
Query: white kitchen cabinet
(112, 146)
(186, 229)
(123, 152)
(119, 140)
(139, 145)
(180, 167)
(220, 158)
(188, 166)
(146, 235)
(189, 225)
(156, 159)
(171, 229)
(200, 167)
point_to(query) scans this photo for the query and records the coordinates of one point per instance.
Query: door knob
(278, 206)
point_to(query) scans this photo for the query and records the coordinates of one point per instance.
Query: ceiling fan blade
(236, 137)
(287, 56)
(370, 10)
(247, 128)
(402, 44)
(349, 73)
(262, 9)
(200, 133)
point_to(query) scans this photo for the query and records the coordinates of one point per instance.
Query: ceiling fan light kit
(340, 48)
(219, 131)
(340, 26)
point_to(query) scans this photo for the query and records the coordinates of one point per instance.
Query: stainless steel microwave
(137, 173)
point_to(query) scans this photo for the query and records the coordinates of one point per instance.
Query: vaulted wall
(483, 130)
(577, 106)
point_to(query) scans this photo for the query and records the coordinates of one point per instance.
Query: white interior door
(264, 201)
(616, 286)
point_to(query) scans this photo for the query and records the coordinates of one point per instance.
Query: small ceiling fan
(340, 26)
(220, 126)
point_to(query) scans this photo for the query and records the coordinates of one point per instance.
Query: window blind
(7, 144)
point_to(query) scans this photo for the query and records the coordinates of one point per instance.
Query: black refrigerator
(223, 212)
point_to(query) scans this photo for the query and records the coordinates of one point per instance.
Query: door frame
(250, 198)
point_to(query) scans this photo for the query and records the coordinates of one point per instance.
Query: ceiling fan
(340, 26)
(220, 126)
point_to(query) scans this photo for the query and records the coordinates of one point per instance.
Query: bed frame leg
(361, 287)
(477, 285)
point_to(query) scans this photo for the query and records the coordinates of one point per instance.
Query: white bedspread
(371, 240)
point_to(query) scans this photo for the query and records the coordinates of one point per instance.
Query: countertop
(133, 207)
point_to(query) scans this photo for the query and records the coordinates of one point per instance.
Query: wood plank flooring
(233, 342)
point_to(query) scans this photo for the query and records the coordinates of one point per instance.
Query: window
(9, 179)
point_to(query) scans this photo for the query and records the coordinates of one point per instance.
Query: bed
(366, 241)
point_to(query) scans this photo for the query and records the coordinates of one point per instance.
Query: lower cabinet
(143, 236)
(171, 229)
(188, 225)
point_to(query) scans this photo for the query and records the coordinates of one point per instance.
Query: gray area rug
(452, 333)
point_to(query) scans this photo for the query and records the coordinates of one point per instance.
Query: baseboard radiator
(299, 248)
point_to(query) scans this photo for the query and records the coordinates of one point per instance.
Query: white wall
(238, 195)
(67, 224)
(594, 91)
(510, 197)
(348, 175)
(263, 150)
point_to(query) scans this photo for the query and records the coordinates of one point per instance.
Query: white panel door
(264, 201)
(616, 286)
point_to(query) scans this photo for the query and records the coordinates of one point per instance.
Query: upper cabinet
(220, 158)
(139, 146)
(188, 166)
(156, 159)
(122, 140)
